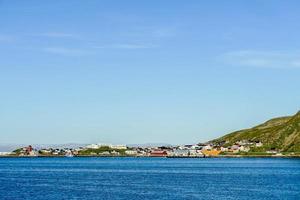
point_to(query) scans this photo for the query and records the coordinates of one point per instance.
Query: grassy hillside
(101, 150)
(282, 134)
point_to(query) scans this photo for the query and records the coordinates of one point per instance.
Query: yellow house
(212, 152)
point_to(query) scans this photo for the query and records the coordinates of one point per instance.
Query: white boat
(69, 154)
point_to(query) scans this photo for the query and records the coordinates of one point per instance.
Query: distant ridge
(11, 147)
(150, 145)
(281, 133)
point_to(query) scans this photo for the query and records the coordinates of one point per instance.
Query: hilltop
(281, 134)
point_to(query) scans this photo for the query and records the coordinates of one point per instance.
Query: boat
(69, 154)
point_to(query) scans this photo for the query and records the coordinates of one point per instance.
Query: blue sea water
(149, 178)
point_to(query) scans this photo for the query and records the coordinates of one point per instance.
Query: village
(200, 150)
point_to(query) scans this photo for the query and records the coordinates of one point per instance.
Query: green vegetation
(17, 151)
(102, 150)
(248, 153)
(280, 134)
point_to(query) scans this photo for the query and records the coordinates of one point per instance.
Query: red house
(158, 153)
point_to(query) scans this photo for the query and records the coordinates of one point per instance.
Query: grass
(101, 150)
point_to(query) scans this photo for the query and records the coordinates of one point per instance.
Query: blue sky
(144, 71)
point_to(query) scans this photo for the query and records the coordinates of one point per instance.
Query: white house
(180, 152)
(207, 147)
(258, 144)
(93, 146)
(119, 146)
(244, 148)
(4, 153)
(224, 149)
(131, 152)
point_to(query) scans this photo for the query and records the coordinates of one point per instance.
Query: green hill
(281, 134)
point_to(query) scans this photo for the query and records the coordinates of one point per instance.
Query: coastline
(182, 157)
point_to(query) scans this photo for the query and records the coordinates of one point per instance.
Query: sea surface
(149, 178)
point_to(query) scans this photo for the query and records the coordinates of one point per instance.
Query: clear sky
(140, 71)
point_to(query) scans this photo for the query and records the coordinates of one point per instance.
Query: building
(258, 144)
(235, 148)
(272, 152)
(131, 152)
(211, 153)
(224, 149)
(207, 147)
(119, 147)
(158, 153)
(93, 146)
(245, 148)
(180, 153)
(5, 153)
